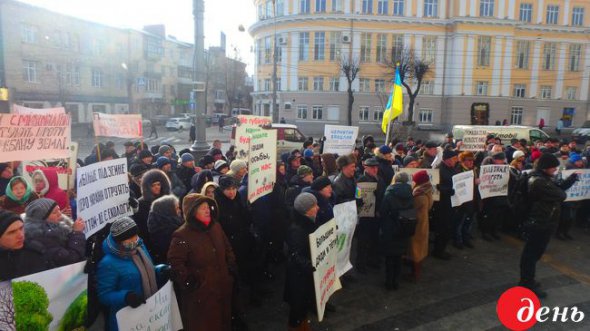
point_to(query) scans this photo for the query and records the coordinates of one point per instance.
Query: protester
(165, 164)
(385, 159)
(154, 184)
(299, 287)
(411, 162)
(302, 179)
(344, 185)
(62, 240)
(394, 239)
(18, 195)
(429, 154)
(220, 168)
(17, 256)
(186, 170)
(206, 162)
(569, 210)
(126, 275)
(6, 173)
(136, 172)
(293, 164)
(329, 167)
(216, 153)
(200, 179)
(280, 215)
(130, 151)
(423, 202)
(46, 185)
(465, 213)
(238, 169)
(164, 218)
(446, 212)
(146, 158)
(494, 208)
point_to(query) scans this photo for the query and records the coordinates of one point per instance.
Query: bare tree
(6, 307)
(350, 68)
(412, 71)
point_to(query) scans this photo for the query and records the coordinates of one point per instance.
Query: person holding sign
(465, 213)
(446, 214)
(569, 209)
(494, 208)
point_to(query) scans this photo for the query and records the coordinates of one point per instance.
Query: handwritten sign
(34, 136)
(434, 175)
(494, 180)
(160, 312)
(262, 162)
(346, 218)
(65, 168)
(16, 109)
(463, 184)
(474, 140)
(246, 126)
(117, 125)
(340, 139)
(581, 189)
(366, 192)
(323, 245)
(103, 194)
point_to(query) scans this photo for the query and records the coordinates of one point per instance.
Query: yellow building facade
(492, 60)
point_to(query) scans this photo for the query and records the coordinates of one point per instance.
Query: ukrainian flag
(395, 105)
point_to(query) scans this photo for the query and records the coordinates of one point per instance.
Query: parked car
(505, 133)
(582, 134)
(178, 124)
(288, 137)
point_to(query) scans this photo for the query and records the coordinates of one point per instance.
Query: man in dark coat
(430, 151)
(186, 170)
(345, 184)
(495, 208)
(17, 257)
(6, 173)
(446, 212)
(130, 152)
(385, 158)
(321, 188)
(303, 178)
(546, 197)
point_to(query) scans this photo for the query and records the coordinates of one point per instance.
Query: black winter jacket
(21, 262)
(397, 197)
(546, 196)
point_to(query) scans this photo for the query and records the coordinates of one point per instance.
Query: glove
(133, 203)
(574, 177)
(133, 300)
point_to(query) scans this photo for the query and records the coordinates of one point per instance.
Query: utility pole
(200, 146)
(275, 110)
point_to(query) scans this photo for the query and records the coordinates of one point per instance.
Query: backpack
(408, 222)
(518, 197)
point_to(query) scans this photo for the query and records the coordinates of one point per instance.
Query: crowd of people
(192, 222)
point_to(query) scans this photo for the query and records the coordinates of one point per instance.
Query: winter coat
(445, 185)
(423, 202)
(426, 162)
(385, 170)
(500, 202)
(54, 192)
(176, 185)
(397, 197)
(203, 268)
(344, 188)
(162, 222)
(21, 262)
(116, 276)
(546, 196)
(199, 179)
(8, 202)
(60, 245)
(185, 175)
(296, 185)
(236, 222)
(381, 186)
(145, 202)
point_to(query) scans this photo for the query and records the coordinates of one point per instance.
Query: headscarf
(28, 190)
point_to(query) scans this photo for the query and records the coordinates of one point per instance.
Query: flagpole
(388, 133)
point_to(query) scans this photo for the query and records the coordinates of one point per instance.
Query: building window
(549, 50)
(481, 88)
(429, 49)
(153, 85)
(522, 54)
(97, 77)
(552, 14)
(430, 8)
(519, 91)
(363, 113)
(367, 6)
(378, 115)
(337, 6)
(484, 45)
(365, 47)
(72, 74)
(334, 84)
(320, 6)
(319, 46)
(578, 16)
(398, 7)
(267, 50)
(303, 46)
(302, 112)
(318, 83)
(526, 12)
(30, 71)
(486, 8)
(571, 92)
(379, 85)
(382, 7)
(302, 84)
(427, 87)
(267, 84)
(269, 13)
(316, 112)
(516, 116)
(397, 47)
(575, 55)
(364, 85)
(29, 33)
(304, 6)
(280, 8)
(425, 116)
(259, 53)
(381, 47)
(545, 92)
(335, 45)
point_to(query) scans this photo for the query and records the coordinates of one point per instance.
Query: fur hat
(192, 201)
(226, 182)
(408, 159)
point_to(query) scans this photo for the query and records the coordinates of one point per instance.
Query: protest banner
(346, 218)
(463, 184)
(434, 175)
(16, 109)
(159, 312)
(340, 139)
(474, 140)
(366, 192)
(34, 136)
(117, 125)
(65, 168)
(494, 180)
(246, 126)
(51, 300)
(103, 194)
(581, 189)
(323, 244)
(262, 164)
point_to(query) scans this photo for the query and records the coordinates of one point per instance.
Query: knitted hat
(308, 153)
(344, 160)
(162, 161)
(409, 159)
(163, 149)
(186, 157)
(384, 149)
(304, 170)
(320, 182)
(547, 161)
(227, 182)
(517, 154)
(447, 154)
(499, 156)
(40, 208)
(466, 155)
(401, 177)
(123, 228)
(574, 157)
(421, 177)
(6, 219)
(145, 153)
(304, 202)
(237, 165)
(371, 162)
(137, 169)
(220, 164)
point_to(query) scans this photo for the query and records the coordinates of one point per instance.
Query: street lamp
(199, 146)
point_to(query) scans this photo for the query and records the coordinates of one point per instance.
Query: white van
(505, 133)
(288, 137)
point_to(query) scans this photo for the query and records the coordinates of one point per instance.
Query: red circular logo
(517, 308)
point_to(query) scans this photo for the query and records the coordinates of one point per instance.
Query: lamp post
(275, 110)
(199, 146)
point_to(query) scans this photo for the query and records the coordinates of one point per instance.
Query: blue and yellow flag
(395, 105)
